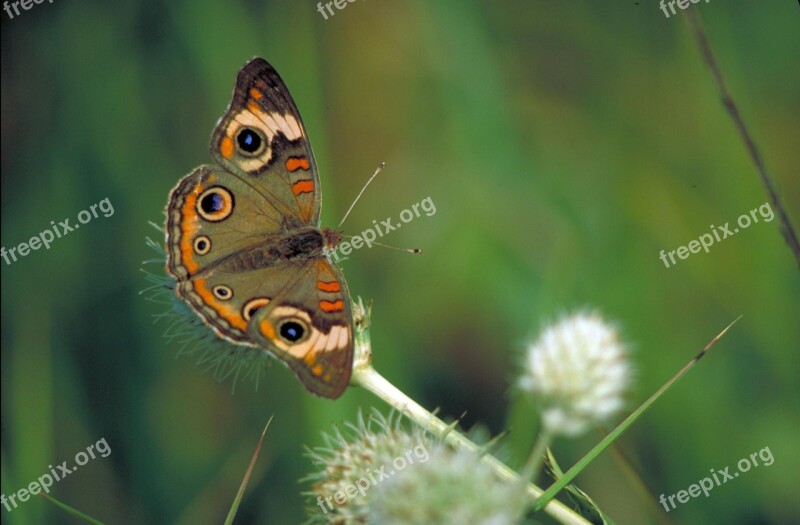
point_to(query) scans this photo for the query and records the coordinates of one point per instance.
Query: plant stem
(366, 376)
(534, 462)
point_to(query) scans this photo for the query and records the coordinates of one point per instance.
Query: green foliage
(564, 144)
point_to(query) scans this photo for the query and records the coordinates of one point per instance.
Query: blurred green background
(563, 145)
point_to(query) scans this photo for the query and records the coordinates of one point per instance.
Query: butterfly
(244, 243)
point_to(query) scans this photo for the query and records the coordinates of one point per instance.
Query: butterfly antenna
(408, 250)
(377, 170)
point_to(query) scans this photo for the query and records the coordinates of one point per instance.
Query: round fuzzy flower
(578, 371)
(355, 461)
(452, 488)
(376, 472)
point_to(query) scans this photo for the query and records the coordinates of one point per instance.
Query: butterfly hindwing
(311, 329)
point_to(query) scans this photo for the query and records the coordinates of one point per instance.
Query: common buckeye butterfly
(244, 242)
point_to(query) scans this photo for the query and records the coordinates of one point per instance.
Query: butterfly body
(244, 242)
(292, 248)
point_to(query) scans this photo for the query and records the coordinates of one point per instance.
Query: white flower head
(578, 371)
(452, 488)
(356, 458)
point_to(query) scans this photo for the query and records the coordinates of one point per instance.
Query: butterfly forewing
(262, 138)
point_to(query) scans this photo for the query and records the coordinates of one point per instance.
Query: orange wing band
(303, 186)
(297, 163)
(332, 306)
(332, 286)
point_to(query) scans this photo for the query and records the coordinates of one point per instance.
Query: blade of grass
(238, 499)
(550, 493)
(700, 38)
(586, 506)
(69, 510)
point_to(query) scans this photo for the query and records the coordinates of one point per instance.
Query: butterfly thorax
(293, 247)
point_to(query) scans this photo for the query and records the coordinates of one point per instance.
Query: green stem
(366, 376)
(534, 462)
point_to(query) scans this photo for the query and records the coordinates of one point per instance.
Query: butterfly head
(331, 237)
